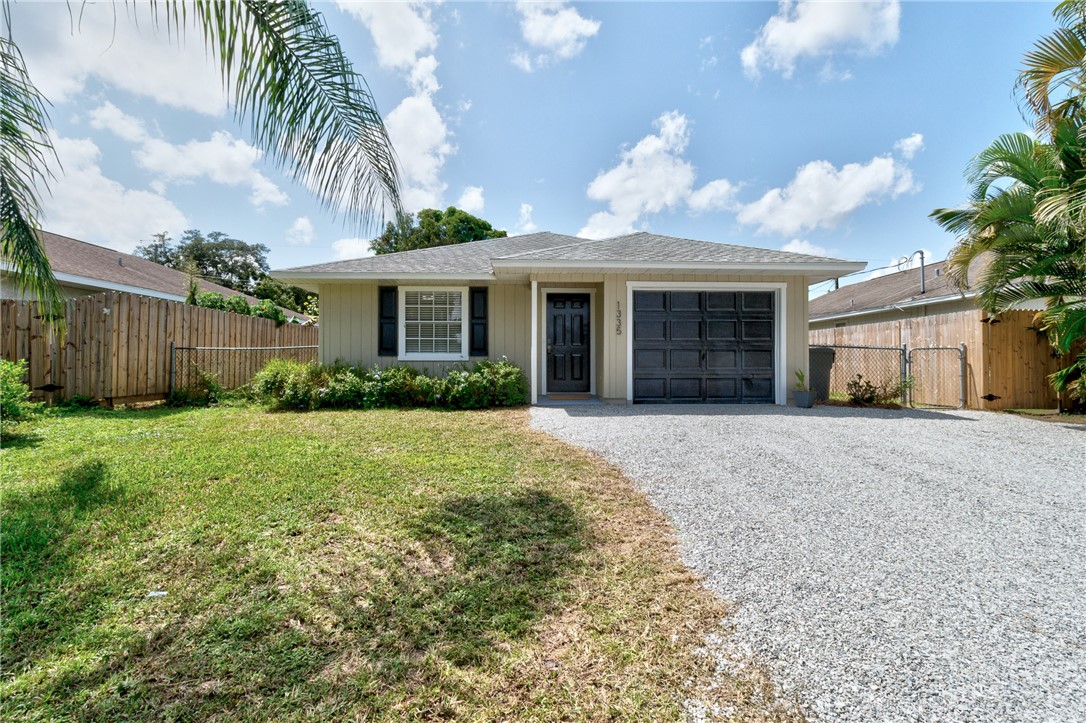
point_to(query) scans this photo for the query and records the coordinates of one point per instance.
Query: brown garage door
(703, 346)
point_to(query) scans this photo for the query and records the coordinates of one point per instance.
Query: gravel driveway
(888, 565)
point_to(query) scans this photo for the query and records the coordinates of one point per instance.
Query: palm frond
(288, 77)
(1053, 69)
(24, 154)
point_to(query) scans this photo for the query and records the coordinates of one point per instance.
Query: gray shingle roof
(895, 288)
(467, 258)
(477, 257)
(643, 247)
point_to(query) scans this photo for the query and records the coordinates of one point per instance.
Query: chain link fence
(232, 367)
(926, 376)
(881, 366)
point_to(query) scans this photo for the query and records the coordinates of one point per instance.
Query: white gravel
(888, 565)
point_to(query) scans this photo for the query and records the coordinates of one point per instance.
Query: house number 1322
(618, 318)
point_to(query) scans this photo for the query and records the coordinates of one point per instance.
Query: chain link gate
(938, 374)
(934, 371)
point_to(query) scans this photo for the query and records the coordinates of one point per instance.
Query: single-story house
(636, 318)
(83, 268)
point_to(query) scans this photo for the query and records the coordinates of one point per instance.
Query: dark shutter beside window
(387, 335)
(480, 345)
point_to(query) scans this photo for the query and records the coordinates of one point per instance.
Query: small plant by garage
(802, 394)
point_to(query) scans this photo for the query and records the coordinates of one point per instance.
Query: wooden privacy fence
(117, 345)
(1007, 362)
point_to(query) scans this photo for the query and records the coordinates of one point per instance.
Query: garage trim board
(779, 325)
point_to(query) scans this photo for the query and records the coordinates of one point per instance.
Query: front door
(568, 351)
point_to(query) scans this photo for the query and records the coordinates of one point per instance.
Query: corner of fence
(173, 367)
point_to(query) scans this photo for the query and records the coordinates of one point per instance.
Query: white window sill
(432, 357)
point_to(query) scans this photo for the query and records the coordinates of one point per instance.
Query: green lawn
(381, 565)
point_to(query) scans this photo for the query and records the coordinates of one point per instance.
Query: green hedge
(15, 404)
(294, 385)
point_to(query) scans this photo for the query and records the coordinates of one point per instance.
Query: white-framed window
(433, 323)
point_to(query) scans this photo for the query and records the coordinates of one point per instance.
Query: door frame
(558, 290)
(779, 289)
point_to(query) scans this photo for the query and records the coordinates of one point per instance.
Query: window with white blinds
(434, 323)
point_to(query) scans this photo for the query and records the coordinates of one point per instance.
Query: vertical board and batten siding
(349, 330)
(117, 345)
(1007, 359)
(350, 333)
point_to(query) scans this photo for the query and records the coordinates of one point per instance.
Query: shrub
(268, 310)
(211, 300)
(15, 404)
(237, 304)
(863, 393)
(203, 392)
(293, 385)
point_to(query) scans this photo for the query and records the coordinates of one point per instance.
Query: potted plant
(804, 397)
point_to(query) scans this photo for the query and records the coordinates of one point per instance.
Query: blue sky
(831, 128)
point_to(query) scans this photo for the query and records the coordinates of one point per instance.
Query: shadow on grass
(394, 632)
(38, 555)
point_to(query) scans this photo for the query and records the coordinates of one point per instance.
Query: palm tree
(1051, 81)
(286, 75)
(1023, 219)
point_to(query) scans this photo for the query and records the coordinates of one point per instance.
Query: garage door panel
(650, 330)
(650, 389)
(720, 301)
(685, 301)
(757, 301)
(722, 359)
(757, 331)
(755, 360)
(686, 389)
(757, 390)
(722, 390)
(650, 360)
(685, 360)
(703, 346)
(650, 301)
(686, 330)
(722, 330)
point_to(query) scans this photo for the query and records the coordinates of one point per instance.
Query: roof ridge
(579, 242)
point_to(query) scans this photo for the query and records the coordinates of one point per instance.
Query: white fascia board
(785, 268)
(325, 277)
(99, 284)
(891, 307)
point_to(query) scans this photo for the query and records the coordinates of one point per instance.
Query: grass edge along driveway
(382, 565)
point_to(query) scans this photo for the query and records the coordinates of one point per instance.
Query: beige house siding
(349, 328)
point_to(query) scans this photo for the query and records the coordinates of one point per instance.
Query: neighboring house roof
(883, 293)
(537, 251)
(78, 263)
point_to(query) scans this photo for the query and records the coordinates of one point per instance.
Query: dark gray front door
(703, 346)
(568, 339)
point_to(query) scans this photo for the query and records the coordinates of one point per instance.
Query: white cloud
(821, 196)
(404, 36)
(525, 224)
(713, 196)
(402, 31)
(649, 178)
(421, 138)
(471, 200)
(813, 29)
(64, 47)
(802, 246)
(301, 232)
(109, 117)
(351, 248)
(222, 159)
(554, 30)
(908, 147)
(87, 205)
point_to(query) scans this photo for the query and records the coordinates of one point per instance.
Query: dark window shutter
(480, 345)
(387, 333)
